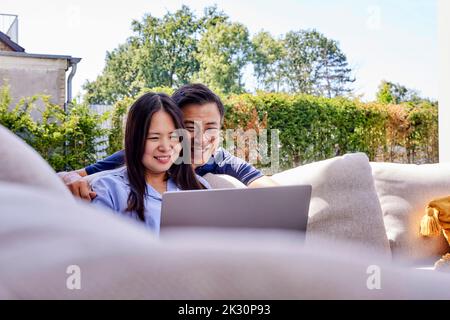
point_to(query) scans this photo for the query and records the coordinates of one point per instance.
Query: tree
(180, 48)
(333, 72)
(224, 50)
(395, 93)
(268, 54)
(161, 52)
(167, 47)
(121, 77)
(315, 64)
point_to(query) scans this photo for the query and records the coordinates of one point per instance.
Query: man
(203, 113)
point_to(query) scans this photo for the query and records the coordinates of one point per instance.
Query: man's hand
(263, 182)
(79, 187)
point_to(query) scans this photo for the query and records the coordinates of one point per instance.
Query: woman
(152, 145)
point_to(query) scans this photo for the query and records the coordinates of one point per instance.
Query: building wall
(444, 80)
(28, 76)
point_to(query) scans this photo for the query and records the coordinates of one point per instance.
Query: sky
(393, 40)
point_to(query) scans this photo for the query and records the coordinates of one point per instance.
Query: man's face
(203, 125)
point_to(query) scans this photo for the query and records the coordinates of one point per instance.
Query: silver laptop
(281, 207)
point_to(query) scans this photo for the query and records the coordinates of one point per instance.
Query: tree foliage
(161, 52)
(389, 92)
(180, 48)
(66, 141)
(224, 50)
(315, 65)
(267, 57)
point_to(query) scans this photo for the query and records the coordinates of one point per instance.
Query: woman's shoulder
(117, 177)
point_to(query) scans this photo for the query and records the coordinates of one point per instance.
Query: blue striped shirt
(112, 193)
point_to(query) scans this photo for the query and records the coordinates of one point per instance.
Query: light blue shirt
(113, 189)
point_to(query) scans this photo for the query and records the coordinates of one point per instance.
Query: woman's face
(162, 146)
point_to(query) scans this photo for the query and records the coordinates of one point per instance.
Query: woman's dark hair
(138, 123)
(197, 93)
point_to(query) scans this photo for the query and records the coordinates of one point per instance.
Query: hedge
(309, 128)
(66, 141)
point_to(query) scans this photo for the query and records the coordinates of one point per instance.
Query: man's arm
(81, 172)
(238, 168)
(109, 163)
(261, 182)
(79, 187)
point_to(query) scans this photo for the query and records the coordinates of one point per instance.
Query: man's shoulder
(223, 156)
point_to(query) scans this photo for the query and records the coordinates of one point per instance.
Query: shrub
(65, 141)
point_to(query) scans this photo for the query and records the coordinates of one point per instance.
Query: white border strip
(444, 79)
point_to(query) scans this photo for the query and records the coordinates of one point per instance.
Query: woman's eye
(175, 137)
(191, 129)
(153, 138)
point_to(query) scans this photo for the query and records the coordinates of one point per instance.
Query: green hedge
(310, 128)
(65, 141)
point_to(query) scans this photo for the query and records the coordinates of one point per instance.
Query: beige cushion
(344, 204)
(223, 181)
(404, 191)
(19, 163)
(121, 260)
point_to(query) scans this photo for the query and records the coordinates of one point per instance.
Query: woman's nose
(165, 144)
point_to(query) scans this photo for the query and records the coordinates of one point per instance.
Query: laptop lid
(280, 207)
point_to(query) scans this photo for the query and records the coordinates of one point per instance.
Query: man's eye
(191, 129)
(212, 131)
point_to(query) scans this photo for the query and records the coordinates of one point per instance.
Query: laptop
(280, 207)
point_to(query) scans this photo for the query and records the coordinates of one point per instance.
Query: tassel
(429, 226)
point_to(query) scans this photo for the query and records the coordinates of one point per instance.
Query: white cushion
(223, 181)
(22, 164)
(344, 204)
(404, 191)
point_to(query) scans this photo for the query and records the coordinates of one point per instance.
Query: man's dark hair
(197, 93)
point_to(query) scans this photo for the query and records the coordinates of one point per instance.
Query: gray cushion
(344, 204)
(22, 164)
(404, 190)
(41, 236)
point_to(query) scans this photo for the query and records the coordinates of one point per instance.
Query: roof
(71, 59)
(7, 40)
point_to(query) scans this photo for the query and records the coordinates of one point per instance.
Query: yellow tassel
(429, 226)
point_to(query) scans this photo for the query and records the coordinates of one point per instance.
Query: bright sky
(383, 39)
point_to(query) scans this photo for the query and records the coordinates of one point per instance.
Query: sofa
(361, 242)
